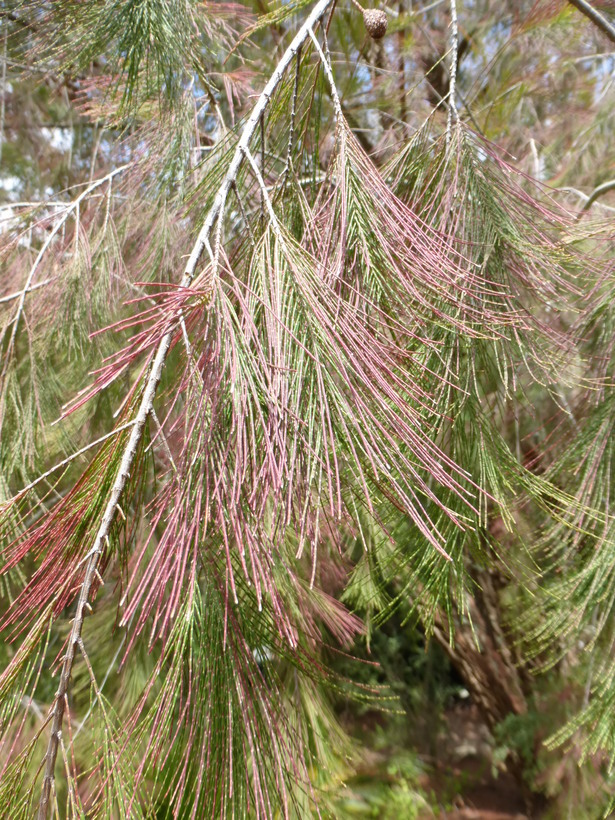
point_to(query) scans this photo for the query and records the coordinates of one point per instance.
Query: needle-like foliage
(257, 381)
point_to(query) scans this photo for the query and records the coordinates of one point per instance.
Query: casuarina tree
(305, 320)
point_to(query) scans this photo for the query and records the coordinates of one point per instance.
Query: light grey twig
(453, 114)
(72, 457)
(18, 293)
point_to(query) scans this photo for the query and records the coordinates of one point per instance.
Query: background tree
(290, 348)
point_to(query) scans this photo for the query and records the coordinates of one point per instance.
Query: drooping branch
(145, 408)
(596, 17)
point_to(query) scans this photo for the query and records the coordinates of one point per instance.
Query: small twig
(18, 293)
(453, 114)
(3, 100)
(595, 16)
(293, 114)
(597, 192)
(72, 457)
(536, 158)
(244, 215)
(584, 197)
(30, 705)
(72, 797)
(262, 128)
(329, 75)
(42, 204)
(99, 135)
(265, 198)
(216, 107)
(163, 439)
(401, 68)
(98, 689)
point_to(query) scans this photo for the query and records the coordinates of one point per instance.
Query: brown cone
(375, 22)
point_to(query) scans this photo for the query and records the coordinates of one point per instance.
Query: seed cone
(375, 22)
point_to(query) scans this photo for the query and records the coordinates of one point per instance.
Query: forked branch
(70, 209)
(147, 401)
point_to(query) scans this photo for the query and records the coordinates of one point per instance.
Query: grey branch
(147, 401)
(596, 17)
(453, 114)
